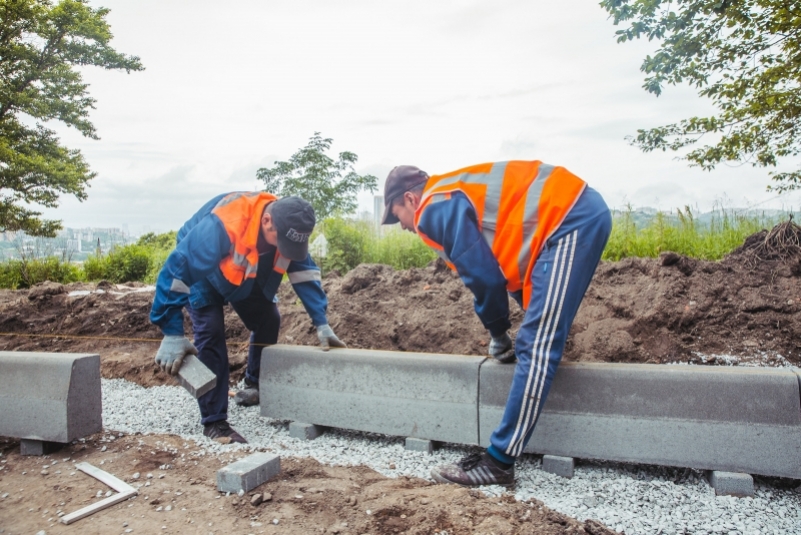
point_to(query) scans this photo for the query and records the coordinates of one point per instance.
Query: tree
(316, 177)
(41, 44)
(744, 55)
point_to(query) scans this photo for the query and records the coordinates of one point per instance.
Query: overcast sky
(233, 86)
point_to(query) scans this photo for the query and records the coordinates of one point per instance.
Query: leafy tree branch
(329, 185)
(745, 56)
(41, 43)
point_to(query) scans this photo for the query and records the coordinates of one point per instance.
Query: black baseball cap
(400, 180)
(294, 220)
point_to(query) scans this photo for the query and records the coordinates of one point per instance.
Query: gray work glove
(327, 338)
(502, 349)
(172, 351)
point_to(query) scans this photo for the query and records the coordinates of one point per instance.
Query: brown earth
(308, 497)
(671, 309)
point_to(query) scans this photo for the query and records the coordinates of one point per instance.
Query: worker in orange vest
(520, 228)
(236, 249)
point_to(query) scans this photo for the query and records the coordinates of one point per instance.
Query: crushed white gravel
(632, 498)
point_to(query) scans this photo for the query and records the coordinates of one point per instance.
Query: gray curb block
(393, 393)
(745, 420)
(50, 397)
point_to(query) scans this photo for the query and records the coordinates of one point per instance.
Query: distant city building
(74, 245)
(378, 209)
(9, 235)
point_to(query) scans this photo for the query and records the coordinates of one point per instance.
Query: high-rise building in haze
(378, 209)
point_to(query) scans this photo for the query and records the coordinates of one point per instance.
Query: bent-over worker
(236, 249)
(523, 228)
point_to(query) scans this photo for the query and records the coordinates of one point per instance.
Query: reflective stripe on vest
(518, 204)
(280, 263)
(240, 214)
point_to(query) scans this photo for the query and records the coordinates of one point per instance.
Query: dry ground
(306, 498)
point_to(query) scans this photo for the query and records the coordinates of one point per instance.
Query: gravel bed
(636, 499)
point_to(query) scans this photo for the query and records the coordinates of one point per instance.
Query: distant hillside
(642, 217)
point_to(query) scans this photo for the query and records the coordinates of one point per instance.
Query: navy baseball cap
(294, 220)
(400, 180)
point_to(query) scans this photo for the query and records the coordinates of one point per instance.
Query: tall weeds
(351, 243)
(682, 233)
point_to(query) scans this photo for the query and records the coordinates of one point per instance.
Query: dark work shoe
(223, 433)
(474, 470)
(248, 396)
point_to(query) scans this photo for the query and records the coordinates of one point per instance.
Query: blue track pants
(260, 316)
(560, 278)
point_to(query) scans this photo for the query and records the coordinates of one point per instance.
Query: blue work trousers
(260, 316)
(560, 278)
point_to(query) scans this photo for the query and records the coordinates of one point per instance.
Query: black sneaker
(248, 396)
(474, 470)
(223, 433)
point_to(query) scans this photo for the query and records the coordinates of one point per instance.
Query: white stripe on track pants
(560, 278)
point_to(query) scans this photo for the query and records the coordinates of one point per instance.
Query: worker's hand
(502, 349)
(172, 351)
(327, 338)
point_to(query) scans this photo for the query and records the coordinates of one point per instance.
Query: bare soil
(181, 497)
(671, 309)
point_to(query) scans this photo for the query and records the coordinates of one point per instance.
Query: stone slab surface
(731, 483)
(51, 397)
(419, 444)
(561, 466)
(305, 431)
(414, 395)
(195, 376)
(248, 473)
(712, 418)
(38, 447)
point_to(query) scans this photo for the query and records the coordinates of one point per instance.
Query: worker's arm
(197, 255)
(306, 281)
(304, 275)
(453, 224)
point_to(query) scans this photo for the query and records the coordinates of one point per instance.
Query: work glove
(172, 351)
(502, 349)
(327, 338)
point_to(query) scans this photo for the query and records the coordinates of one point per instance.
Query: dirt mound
(670, 309)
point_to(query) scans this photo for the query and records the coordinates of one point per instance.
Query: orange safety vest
(240, 214)
(519, 205)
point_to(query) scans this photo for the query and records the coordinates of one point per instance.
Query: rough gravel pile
(630, 498)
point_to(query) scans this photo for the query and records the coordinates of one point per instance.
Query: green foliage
(347, 244)
(401, 250)
(681, 234)
(25, 273)
(94, 268)
(158, 241)
(41, 44)
(141, 261)
(160, 245)
(351, 243)
(744, 56)
(157, 259)
(122, 264)
(317, 178)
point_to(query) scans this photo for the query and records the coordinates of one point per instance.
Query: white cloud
(229, 88)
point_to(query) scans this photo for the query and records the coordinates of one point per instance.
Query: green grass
(724, 231)
(351, 243)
